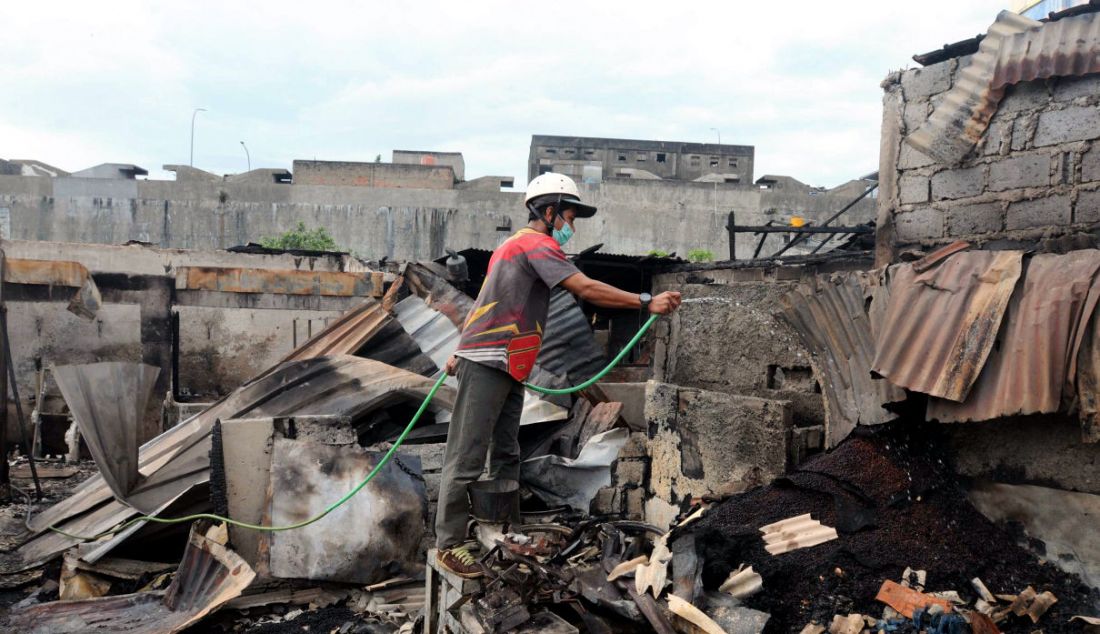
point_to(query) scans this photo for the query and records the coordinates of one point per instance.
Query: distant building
(376, 175)
(592, 160)
(452, 159)
(122, 171)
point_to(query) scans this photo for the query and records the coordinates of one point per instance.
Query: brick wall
(1035, 172)
(383, 175)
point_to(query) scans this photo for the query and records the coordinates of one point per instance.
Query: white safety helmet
(551, 183)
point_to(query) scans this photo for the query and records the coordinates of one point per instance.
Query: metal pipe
(831, 218)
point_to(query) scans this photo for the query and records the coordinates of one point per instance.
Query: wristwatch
(645, 298)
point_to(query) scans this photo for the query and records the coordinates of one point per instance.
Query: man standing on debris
(500, 341)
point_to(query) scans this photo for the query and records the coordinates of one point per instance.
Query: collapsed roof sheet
(1031, 367)
(830, 317)
(209, 575)
(942, 319)
(338, 385)
(108, 400)
(1016, 49)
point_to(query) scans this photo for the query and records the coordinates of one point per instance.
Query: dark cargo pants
(486, 416)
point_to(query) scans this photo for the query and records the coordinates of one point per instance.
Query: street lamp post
(247, 156)
(193, 115)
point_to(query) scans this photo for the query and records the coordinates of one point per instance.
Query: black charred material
(895, 504)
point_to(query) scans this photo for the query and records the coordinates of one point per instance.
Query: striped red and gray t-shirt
(504, 328)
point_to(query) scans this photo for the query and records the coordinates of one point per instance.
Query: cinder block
(1088, 206)
(1070, 88)
(1075, 123)
(629, 471)
(997, 137)
(920, 224)
(634, 504)
(958, 183)
(908, 158)
(1090, 165)
(606, 502)
(924, 82)
(1028, 95)
(635, 446)
(1023, 128)
(1024, 170)
(913, 189)
(978, 218)
(1040, 212)
(916, 113)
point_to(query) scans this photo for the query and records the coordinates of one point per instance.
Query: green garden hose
(378, 467)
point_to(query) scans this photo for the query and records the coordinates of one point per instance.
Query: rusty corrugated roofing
(1031, 367)
(1016, 49)
(940, 323)
(960, 120)
(209, 575)
(179, 459)
(829, 316)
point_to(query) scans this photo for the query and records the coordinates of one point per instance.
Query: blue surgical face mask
(562, 235)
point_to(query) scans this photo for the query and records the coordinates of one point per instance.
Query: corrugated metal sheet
(961, 118)
(180, 458)
(281, 282)
(438, 338)
(344, 336)
(569, 347)
(940, 324)
(108, 400)
(830, 316)
(1070, 46)
(209, 576)
(1031, 367)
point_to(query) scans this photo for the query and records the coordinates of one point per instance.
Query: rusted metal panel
(108, 400)
(45, 272)
(961, 118)
(179, 459)
(84, 303)
(279, 282)
(1016, 49)
(344, 336)
(830, 317)
(209, 576)
(1031, 369)
(940, 324)
(1066, 47)
(388, 514)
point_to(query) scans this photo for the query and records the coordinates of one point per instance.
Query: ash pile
(875, 536)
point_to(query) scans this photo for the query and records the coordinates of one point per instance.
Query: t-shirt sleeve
(550, 263)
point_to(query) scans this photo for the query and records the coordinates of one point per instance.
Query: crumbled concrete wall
(1035, 172)
(709, 443)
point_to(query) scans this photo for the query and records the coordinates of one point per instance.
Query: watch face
(646, 297)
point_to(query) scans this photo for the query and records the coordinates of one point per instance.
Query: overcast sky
(84, 83)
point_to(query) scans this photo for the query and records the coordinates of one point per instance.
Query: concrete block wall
(383, 175)
(1035, 171)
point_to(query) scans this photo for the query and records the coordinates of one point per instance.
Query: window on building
(660, 157)
(551, 150)
(731, 162)
(732, 179)
(714, 161)
(589, 152)
(569, 152)
(694, 161)
(622, 156)
(641, 158)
